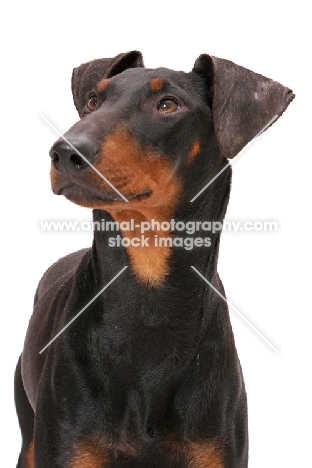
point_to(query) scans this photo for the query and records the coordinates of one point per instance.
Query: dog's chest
(168, 453)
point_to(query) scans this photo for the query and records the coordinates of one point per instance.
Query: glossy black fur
(143, 365)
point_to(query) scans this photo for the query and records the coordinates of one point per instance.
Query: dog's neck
(146, 242)
(158, 254)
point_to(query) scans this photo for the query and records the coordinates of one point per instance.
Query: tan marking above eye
(92, 103)
(102, 85)
(157, 84)
(168, 105)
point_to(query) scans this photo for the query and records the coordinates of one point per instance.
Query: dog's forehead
(155, 79)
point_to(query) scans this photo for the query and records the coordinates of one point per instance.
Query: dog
(148, 374)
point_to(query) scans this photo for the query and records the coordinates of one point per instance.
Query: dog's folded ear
(243, 102)
(85, 77)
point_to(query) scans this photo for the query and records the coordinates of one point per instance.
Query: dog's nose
(72, 158)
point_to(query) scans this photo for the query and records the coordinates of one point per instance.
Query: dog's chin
(88, 198)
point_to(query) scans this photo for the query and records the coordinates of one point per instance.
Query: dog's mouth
(83, 195)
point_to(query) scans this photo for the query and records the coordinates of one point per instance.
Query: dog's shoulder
(59, 272)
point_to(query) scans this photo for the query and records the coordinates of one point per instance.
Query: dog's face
(144, 130)
(141, 129)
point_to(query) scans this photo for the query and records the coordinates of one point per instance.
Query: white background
(266, 275)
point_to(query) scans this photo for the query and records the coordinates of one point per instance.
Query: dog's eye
(167, 106)
(92, 103)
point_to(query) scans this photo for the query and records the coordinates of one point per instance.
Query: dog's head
(149, 140)
(143, 130)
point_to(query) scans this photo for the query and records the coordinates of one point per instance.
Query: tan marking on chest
(96, 452)
(90, 454)
(204, 455)
(29, 456)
